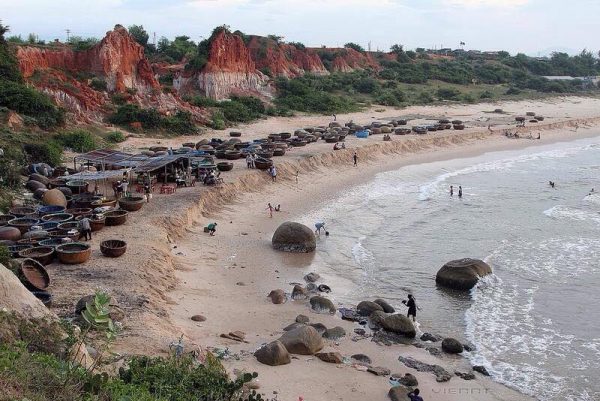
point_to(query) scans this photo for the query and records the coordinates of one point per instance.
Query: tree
(32, 38)
(397, 49)
(3, 30)
(139, 34)
(354, 46)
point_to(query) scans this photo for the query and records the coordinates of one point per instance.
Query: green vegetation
(78, 140)
(79, 43)
(15, 95)
(116, 137)
(98, 84)
(354, 46)
(180, 123)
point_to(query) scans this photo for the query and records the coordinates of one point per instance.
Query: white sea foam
(572, 213)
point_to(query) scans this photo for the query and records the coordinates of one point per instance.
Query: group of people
(120, 187)
(251, 160)
(272, 209)
(337, 146)
(460, 192)
(387, 137)
(210, 178)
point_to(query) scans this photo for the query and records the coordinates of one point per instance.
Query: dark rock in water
(350, 314)
(330, 357)
(387, 308)
(434, 351)
(334, 333)
(430, 337)
(312, 287)
(376, 318)
(399, 324)
(320, 327)
(302, 319)
(462, 274)
(441, 374)
(399, 393)
(299, 292)
(481, 369)
(406, 379)
(322, 305)
(303, 341)
(360, 332)
(365, 308)
(312, 277)
(383, 337)
(277, 296)
(324, 288)
(273, 354)
(468, 347)
(294, 237)
(465, 376)
(378, 370)
(293, 326)
(452, 346)
(362, 358)
(198, 318)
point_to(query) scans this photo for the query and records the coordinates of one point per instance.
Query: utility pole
(369, 46)
(68, 34)
(154, 38)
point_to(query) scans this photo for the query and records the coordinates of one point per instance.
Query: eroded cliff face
(348, 60)
(118, 59)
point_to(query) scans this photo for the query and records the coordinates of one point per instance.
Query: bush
(366, 85)
(468, 98)
(308, 94)
(116, 137)
(44, 152)
(202, 101)
(30, 102)
(119, 99)
(98, 84)
(425, 98)
(129, 113)
(448, 94)
(513, 91)
(181, 123)
(78, 140)
(4, 256)
(486, 95)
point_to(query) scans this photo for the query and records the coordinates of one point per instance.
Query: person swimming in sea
(412, 307)
(551, 183)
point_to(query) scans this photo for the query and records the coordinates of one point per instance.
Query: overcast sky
(530, 26)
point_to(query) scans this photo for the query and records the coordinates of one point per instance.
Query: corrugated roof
(98, 175)
(112, 157)
(155, 163)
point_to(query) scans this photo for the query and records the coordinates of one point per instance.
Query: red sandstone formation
(348, 60)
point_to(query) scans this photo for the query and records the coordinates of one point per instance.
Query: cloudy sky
(530, 26)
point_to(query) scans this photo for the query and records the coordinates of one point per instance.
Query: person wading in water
(459, 191)
(412, 307)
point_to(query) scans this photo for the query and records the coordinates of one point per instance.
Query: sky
(534, 27)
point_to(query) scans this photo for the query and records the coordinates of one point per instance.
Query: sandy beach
(173, 270)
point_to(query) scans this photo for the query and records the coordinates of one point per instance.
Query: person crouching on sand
(320, 225)
(414, 395)
(412, 307)
(212, 228)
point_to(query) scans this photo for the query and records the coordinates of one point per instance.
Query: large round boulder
(322, 305)
(462, 274)
(452, 346)
(303, 340)
(34, 185)
(366, 308)
(294, 237)
(54, 197)
(273, 354)
(387, 308)
(399, 324)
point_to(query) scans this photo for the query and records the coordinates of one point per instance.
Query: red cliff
(348, 60)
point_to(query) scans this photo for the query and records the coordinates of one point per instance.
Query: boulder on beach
(302, 341)
(462, 274)
(366, 308)
(312, 277)
(320, 327)
(273, 354)
(302, 319)
(399, 393)
(334, 333)
(277, 296)
(406, 379)
(294, 237)
(399, 324)
(362, 358)
(330, 357)
(321, 304)
(299, 292)
(377, 318)
(452, 346)
(387, 308)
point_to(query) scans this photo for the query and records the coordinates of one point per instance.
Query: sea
(535, 322)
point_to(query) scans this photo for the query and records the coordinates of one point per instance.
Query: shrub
(98, 84)
(354, 46)
(30, 102)
(513, 91)
(44, 152)
(116, 137)
(387, 98)
(486, 95)
(448, 93)
(119, 99)
(78, 140)
(4, 256)
(181, 123)
(425, 98)
(468, 98)
(202, 101)
(126, 114)
(366, 85)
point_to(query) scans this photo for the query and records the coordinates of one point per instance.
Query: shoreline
(202, 280)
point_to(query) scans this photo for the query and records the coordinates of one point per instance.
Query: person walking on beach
(459, 191)
(147, 192)
(355, 158)
(249, 160)
(319, 225)
(451, 190)
(412, 307)
(86, 228)
(414, 395)
(334, 117)
(270, 209)
(273, 174)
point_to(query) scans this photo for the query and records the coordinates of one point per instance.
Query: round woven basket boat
(33, 275)
(132, 203)
(41, 254)
(73, 253)
(116, 217)
(113, 248)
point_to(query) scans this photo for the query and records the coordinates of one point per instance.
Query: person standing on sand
(273, 173)
(86, 228)
(249, 160)
(270, 209)
(459, 191)
(412, 307)
(334, 117)
(414, 395)
(451, 190)
(355, 158)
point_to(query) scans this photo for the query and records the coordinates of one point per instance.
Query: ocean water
(536, 321)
